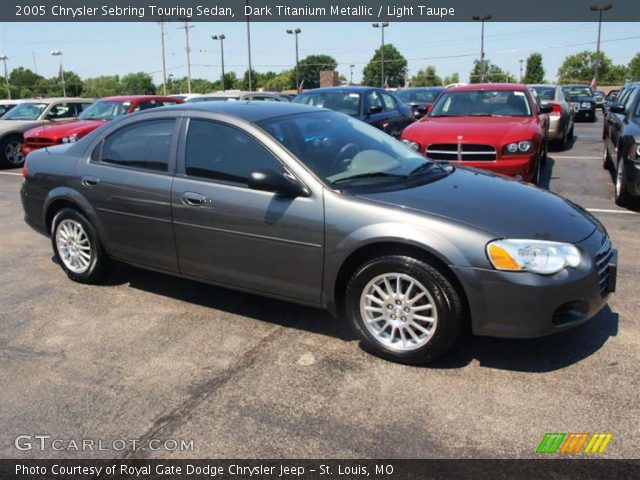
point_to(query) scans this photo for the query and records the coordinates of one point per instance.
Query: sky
(94, 49)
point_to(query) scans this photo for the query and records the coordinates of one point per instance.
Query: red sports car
(496, 127)
(97, 114)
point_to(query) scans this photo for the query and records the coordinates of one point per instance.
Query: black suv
(621, 136)
(581, 96)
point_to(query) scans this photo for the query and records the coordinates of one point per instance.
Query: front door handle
(193, 199)
(90, 181)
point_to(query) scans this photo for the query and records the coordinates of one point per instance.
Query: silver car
(316, 207)
(32, 113)
(561, 118)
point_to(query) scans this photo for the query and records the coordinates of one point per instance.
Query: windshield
(545, 93)
(343, 102)
(577, 91)
(482, 103)
(105, 110)
(25, 111)
(347, 153)
(421, 96)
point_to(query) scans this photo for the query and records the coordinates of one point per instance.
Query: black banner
(318, 469)
(314, 10)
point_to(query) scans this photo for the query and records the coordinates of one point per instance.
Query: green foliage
(138, 83)
(633, 70)
(534, 72)
(426, 77)
(103, 86)
(395, 68)
(310, 68)
(492, 73)
(449, 79)
(285, 80)
(580, 68)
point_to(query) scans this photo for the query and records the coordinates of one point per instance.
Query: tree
(580, 68)
(534, 72)
(138, 83)
(103, 86)
(73, 84)
(231, 82)
(492, 73)
(285, 80)
(395, 68)
(449, 79)
(255, 80)
(633, 70)
(426, 77)
(23, 82)
(310, 67)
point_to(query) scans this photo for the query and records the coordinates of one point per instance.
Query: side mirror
(546, 108)
(428, 108)
(375, 109)
(617, 108)
(268, 180)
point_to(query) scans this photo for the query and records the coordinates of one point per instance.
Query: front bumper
(526, 305)
(512, 166)
(26, 149)
(585, 112)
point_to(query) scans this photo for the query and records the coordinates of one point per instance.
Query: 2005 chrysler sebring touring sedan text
(316, 207)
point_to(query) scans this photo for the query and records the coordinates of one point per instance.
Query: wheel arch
(65, 197)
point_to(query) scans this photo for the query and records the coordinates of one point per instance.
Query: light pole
(221, 37)
(351, 74)
(381, 26)
(296, 32)
(58, 53)
(4, 59)
(164, 64)
(249, 46)
(595, 8)
(521, 69)
(483, 19)
(186, 29)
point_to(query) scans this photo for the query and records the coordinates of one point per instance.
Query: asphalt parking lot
(149, 356)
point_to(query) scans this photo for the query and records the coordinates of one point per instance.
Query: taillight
(557, 109)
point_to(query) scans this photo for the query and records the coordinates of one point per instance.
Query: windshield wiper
(368, 175)
(424, 168)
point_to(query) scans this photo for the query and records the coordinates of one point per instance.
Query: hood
(472, 129)
(57, 131)
(584, 99)
(496, 204)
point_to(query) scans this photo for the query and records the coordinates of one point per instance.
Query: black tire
(606, 157)
(622, 197)
(565, 138)
(543, 156)
(594, 117)
(99, 261)
(570, 136)
(4, 145)
(537, 174)
(447, 302)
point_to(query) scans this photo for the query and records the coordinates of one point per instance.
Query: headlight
(585, 105)
(415, 146)
(69, 139)
(537, 256)
(515, 147)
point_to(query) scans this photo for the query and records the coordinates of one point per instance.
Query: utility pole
(482, 19)
(351, 74)
(35, 65)
(221, 37)
(4, 59)
(520, 69)
(382, 26)
(249, 46)
(296, 32)
(164, 64)
(595, 8)
(186, 29)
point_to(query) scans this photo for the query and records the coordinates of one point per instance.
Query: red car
(96, 115)
(496, 127)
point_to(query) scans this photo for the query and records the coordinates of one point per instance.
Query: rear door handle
(90, 181)
(193, 199)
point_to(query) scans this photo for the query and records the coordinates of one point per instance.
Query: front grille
(39, 142)
(603, 257)
(466, 152)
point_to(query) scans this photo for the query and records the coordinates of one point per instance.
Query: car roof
(138, 97)
(57, 99)
(248, 110)
(431, 87)
(345, 89)
(532, 85)
(489, 86)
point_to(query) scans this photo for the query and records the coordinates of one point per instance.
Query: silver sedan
(561, 119)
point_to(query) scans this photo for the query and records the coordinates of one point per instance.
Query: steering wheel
(347, 152)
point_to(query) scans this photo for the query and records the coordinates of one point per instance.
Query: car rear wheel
(77, 247)
(10, 154)
(622, 195)
(606, 158)
(404, 309)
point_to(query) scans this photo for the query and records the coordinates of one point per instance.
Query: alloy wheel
(619, 178)
(13, 154)
(398, 311)
(73, 245)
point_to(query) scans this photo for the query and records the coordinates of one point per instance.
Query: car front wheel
(622, 196)
(77, 247)
(404, 309)
(10, 151)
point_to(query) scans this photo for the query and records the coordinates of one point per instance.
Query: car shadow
(544, 354)
(546, 174)
(633, 207)
(536, 355)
